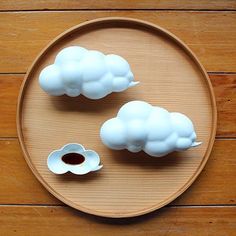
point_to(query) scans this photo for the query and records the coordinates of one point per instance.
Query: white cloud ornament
(141, 126)
(77, 70)
(73, 158)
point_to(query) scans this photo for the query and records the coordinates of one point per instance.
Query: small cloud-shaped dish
(77, 70)
(141, 126)
(73, 158)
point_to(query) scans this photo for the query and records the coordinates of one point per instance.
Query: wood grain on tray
(170, 76)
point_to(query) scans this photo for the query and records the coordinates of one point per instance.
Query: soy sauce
(73, 158)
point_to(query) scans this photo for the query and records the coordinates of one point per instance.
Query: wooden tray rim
(52, 43)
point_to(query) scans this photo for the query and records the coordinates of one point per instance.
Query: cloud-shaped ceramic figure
(141, 126)
(77, 70)
(90, 160)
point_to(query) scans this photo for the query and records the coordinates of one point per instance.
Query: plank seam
(217, 138)
(208, 72)
(118, 9)
(168, 206)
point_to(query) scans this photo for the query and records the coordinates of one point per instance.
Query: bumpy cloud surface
(77, 70)
(141, 126)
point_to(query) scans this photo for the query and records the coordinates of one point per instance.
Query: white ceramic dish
(74, 158)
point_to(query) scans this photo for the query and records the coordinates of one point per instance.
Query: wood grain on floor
(211, 35)
(41, 221)
(118, 4)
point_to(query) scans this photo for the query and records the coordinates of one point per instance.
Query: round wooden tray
(129, 184)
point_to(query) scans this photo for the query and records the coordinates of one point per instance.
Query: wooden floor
(208, 207)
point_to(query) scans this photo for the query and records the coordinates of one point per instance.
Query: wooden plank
(38, 220)
(9, 88)
(119, 4)
(225, 93)
(211, 35)
(213, 186)
(224, 87)
(18, 184)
